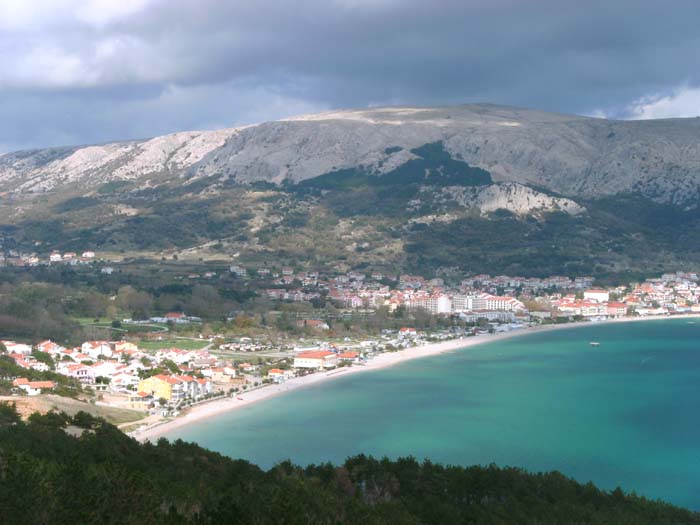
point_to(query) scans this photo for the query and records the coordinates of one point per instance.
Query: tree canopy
(60, 469)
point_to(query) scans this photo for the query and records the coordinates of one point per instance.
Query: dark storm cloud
(98, 70)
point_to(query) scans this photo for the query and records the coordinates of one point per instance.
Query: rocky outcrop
(511, 196)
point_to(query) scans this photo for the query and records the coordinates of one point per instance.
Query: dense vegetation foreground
(49, 476)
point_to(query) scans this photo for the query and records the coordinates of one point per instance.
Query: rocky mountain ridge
(570, 155)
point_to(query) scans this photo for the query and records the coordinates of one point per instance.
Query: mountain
(572, 155)
(586, 194)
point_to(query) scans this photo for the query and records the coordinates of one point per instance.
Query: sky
(91, 71)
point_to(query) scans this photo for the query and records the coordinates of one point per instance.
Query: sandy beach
(384, 360)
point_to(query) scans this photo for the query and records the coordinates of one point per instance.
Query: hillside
(572, 155)
(474, 187)
(49, 476)
(48, 402)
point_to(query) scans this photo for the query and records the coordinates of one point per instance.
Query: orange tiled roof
(320, 354)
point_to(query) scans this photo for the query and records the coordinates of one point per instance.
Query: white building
(462, 303)
(96, 348)
(104, 369)
(50, 347)
(33, 388)
(486, 301)
(81, 372)
(433, 303)
(279, 376)
(17, 348)
(594, 294)
(121, 381)
(319, 360)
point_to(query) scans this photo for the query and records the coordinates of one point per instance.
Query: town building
(319, 360)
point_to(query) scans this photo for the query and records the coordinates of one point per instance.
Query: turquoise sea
(625, 413)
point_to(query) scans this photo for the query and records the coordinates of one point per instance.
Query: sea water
(625, 413)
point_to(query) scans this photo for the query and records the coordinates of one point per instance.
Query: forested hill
(47, 476)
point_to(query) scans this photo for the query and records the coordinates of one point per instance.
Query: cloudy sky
(85, 71)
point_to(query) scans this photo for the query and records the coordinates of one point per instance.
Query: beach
(383, 360)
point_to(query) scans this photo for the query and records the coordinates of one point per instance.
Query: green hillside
(406, 219)
(47, 476)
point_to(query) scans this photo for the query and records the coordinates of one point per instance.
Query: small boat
(594, 343)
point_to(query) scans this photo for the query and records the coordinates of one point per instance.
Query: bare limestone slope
(571, 155)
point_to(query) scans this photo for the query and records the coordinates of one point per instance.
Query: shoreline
(383, 360)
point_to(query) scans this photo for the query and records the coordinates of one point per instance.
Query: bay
(625, 413)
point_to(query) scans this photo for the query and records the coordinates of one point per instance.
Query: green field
(183, 344)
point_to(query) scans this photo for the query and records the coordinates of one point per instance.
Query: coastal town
(163, 379)
(503, 299)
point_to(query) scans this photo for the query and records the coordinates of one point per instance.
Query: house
(219, 375)
(247, 367)
(96, 349)
(104, 369)
(124, 346)
(88, 255)
(175, 355)
(82, 373)
(122, 381)
(33, 388)
(140, 400)
(205, 386)
(318, 360)
(278, 375)
(39, 366)
(17, 348)
(20, 360)
(49, 347)
(353, 357)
